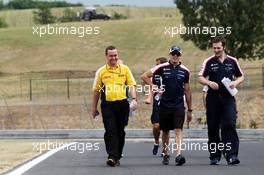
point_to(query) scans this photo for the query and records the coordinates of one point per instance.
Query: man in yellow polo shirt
(113, 81)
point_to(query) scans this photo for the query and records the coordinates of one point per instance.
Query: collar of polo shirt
(109, 67)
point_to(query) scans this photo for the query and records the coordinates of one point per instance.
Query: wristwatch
(190, 110)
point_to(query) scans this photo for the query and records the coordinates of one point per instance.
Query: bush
(69, 15)
(118, 16)
(3, 23)
(43, 15)
(253, 124)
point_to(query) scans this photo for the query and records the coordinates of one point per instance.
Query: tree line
(29, 4)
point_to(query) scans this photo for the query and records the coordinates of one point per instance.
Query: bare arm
(211, 84)
(237, 82)
(146, 77)
(95, 100)
(188, 98)
(188, 95)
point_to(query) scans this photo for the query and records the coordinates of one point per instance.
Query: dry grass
(62, 113)
(14, 152)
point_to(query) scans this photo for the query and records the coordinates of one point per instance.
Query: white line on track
(23, 168)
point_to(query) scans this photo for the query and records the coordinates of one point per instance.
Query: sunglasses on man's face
(175, 53)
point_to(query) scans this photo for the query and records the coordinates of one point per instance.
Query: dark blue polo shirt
(173, 79)
(216, 71)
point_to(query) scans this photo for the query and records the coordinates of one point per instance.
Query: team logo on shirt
(107, 77)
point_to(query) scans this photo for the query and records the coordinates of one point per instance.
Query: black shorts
(171, 118)
(155, 112)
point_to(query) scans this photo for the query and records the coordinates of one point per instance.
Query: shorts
(171, 118)
(155, 112)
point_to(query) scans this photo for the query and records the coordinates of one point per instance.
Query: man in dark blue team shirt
(156, 80)
(220, 104)
(175, 80)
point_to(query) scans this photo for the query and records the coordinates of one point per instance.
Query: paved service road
(138, 160)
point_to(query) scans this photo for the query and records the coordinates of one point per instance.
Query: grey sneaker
(166, 159)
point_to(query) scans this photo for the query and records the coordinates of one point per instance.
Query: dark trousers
(221, 114)
(115, 118)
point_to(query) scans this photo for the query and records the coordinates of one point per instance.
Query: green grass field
(140, 39)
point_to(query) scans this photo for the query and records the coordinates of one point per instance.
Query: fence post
(30, 90)
(68, 87)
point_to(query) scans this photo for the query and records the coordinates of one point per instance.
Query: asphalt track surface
(138, 160)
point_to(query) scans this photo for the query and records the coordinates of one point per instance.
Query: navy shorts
(171, 118)
(155, 112)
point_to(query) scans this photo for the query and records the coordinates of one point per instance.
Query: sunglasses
(176, 53)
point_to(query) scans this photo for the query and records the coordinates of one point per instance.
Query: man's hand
(213, 85)
(147, 101)
(189, 116)
(133, 104)
(93, 112)
(233, 84)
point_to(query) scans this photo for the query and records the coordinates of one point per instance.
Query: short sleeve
(97, 85)
(237, 70)
(204, 69)
(130, 81)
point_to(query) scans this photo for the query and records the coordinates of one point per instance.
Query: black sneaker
(180, 160)
(155, 149)
(166, 159)
(111, 162)
(215, 161)
(233, 160)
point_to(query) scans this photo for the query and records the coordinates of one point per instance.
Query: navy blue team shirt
(216, 71)
(173, 80)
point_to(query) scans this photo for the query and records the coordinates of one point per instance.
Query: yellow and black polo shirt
(113, 82)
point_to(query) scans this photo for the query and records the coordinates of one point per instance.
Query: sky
(141, 3)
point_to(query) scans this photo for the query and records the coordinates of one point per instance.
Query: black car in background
(90, 14)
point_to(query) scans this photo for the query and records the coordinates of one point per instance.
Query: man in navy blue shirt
(175, 84)
(220, 104)
(156, 80)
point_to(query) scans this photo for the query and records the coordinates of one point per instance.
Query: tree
(244, 19)
(43, 15)
(20, 4)
(2, 4)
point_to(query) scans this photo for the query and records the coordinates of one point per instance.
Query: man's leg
(165, 122)
(178, 140)
(156, 132)
(179, 116)
(212, 116)
(122, 112)
(166, 147)
(165, 142)
(110, 136)
(156, 126)
(228, 131)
